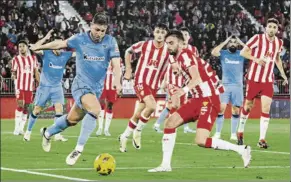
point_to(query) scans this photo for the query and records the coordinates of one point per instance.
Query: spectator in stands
(58, 19)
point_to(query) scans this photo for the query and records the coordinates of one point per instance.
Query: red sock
(244, 112)
(132, 124)
(208, 143)
(143, 119)
(19, 109)
(169, 130)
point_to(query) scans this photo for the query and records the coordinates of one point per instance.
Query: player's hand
(179, 92)
(13, 77)
(49, 34)
(261, 61)
(127, 74)
(33, 47)
(117, 86)
(285, 82)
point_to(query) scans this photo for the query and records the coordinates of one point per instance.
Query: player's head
(186, 33)
(232, 44)
(272, 27)
(22, 47)
(174, 40)
(99, 26)
(160, 32)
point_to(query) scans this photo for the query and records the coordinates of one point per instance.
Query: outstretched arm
(57, 44)
(216, 51)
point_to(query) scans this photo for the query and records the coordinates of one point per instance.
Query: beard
(173, 53)
(232, 49)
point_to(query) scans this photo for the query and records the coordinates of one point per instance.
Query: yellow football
(104, 164)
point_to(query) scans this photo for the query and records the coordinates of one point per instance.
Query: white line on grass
(153, 141)
(185, 167)
(43, 174)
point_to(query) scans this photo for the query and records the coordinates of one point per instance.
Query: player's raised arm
(42, 41)
(135, 48)
(216, 51)
(57, 44)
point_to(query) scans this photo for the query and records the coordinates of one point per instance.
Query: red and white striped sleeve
(14, 64)
(137, 47)
(35, 62)
(253, 42)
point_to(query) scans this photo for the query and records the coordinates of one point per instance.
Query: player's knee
(249, 105)
(151, 107)
(59, 109)
(20, 104)
(235, 111)
(170, 123)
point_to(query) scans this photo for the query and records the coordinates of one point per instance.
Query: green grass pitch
(190, 162)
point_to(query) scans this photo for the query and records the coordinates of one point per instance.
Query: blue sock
(60, 124)
(31, 121)
(219, 123)
(57, 116)
(88, 126)
(234, 123)
(163, 116)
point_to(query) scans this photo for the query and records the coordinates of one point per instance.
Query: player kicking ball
(94, 51)
(263, 50)
(205, 107)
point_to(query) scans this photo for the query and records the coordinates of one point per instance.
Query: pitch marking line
(185, 167)
(43, 174)
(153, 141)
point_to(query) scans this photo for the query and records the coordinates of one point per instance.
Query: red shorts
(255, 88)
(26, 96)
(109, 95)
(205, 110)
(142, 90)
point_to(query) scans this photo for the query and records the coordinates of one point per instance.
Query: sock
(23, 120)
(57, 115)
(87, 128)
(168, 141)
(31, 121)
(142, 122)
(60, 125)
(234, 123)
(129, 129)
(18, 118)
(163, 116)
(264, 123)
(243, 119)
(219, 123)
(222, 145)
(108, 119)
(101, 119)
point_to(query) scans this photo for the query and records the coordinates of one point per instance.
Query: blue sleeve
(222, 52)
(114, 50)
(73, 41)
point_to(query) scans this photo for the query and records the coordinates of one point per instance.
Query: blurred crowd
(210, 23)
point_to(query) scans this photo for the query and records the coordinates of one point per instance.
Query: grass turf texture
(188, 162)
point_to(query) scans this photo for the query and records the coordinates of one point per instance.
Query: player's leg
(266, 101)
(108, 117)
(58, 113)
(220, 120)
(24, 117)
(237, 102)
(131, 126)
(234, 122)
(102, 113)
(163, 115)
(19, 111)
(31, 121)
(150, 106)
(187, 129)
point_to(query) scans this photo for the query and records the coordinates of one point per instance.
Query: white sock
(80, 148)
(140, 125)
(108, 120)
(23, 121)
(18, 120)
(101, 119)
(224, 145)
(168, 141)
(242, 122)
(186, 126)
(128, 131)
(264, 123)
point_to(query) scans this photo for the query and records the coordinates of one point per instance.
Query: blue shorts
(44, 94)
(80, 88)
(232, 94)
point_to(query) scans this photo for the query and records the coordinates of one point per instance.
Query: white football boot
(73, 157)
(59, 137)
(160, 169)
(26, 136)
(122, 142)
(46, 142)
(136, 139)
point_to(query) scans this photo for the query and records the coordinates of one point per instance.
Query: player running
(204, 107)
(263, 50)
(151, 64)
(24, 71)
(50, 86)
(108, 98)
(232, 79)
(172, 81)
(94, 51)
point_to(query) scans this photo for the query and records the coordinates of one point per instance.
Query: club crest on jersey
(27, 69)
(93, 58)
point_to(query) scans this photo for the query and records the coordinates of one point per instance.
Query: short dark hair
(273, 20)
(175, 33)
(162, 26)
(184, 29)
(22, 42)
(100, 18)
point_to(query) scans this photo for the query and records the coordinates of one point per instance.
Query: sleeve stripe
(252, 41)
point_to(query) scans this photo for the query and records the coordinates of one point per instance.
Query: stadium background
(210, 23)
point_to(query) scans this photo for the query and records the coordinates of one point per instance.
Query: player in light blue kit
(232, 79)
(50, 87)
(94, 51)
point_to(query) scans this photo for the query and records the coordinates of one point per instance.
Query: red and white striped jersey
(177, 80)
(152, 63)
(110, 77)
(263, 48)
(209, 85)
(193, 49)
(24, 68)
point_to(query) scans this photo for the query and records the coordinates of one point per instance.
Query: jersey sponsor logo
(153, 64)
(93, 58)
(51, 65)
(228, 61)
